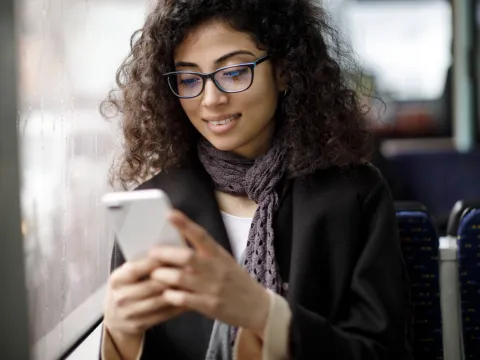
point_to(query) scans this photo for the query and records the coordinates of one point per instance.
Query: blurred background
(68, 53)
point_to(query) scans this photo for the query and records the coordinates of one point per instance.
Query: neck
(236, 205)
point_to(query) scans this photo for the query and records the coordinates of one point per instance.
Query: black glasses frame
(251, 65)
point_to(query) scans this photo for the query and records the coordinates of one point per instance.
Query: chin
(228, 145)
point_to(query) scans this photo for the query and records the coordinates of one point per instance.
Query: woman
(241, 113)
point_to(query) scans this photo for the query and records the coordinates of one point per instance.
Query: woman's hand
(208, 280)
(135, 302)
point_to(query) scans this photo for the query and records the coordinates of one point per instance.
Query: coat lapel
(190, 190)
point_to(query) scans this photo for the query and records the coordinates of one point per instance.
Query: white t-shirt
(238, 229)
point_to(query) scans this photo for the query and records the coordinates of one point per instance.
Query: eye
(235, 73)
(189, 82)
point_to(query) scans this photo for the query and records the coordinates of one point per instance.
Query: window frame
(13, 309)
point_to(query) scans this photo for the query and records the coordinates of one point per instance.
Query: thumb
(197, 236)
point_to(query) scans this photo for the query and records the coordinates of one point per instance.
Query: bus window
(405, 46)
(68, 53)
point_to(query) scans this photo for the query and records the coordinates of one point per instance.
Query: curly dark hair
(322, 117)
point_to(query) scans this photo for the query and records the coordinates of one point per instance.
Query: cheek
(262, 102)
(190, 107)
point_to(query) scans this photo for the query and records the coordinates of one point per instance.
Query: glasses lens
(233, 79)
(185, 84)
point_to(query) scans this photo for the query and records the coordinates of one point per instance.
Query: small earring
(285, 92)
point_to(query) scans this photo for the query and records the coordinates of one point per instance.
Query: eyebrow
(218, 61)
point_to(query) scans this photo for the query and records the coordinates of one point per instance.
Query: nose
(212, 96)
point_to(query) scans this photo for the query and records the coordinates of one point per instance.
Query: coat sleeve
(377, 303)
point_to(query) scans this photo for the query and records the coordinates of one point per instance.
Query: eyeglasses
(228, 79)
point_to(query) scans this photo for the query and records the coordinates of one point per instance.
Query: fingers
(145, 307)
(173, 255)
(139, 291)
(132, 304)
(207, 305)
(195, 234)
(140, 323)
(132, 272)
(177, 278)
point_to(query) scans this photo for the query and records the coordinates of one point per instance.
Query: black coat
(336, 242)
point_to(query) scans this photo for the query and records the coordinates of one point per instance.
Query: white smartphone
(139, 220)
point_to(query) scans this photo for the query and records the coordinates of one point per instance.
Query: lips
(222, 124)
(222, 119)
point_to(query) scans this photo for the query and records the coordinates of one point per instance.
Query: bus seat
(465, 225)
(420, 242)
(437, 179)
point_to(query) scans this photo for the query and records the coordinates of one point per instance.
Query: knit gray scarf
(258, 180)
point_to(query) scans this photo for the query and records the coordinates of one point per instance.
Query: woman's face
(242, 123)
